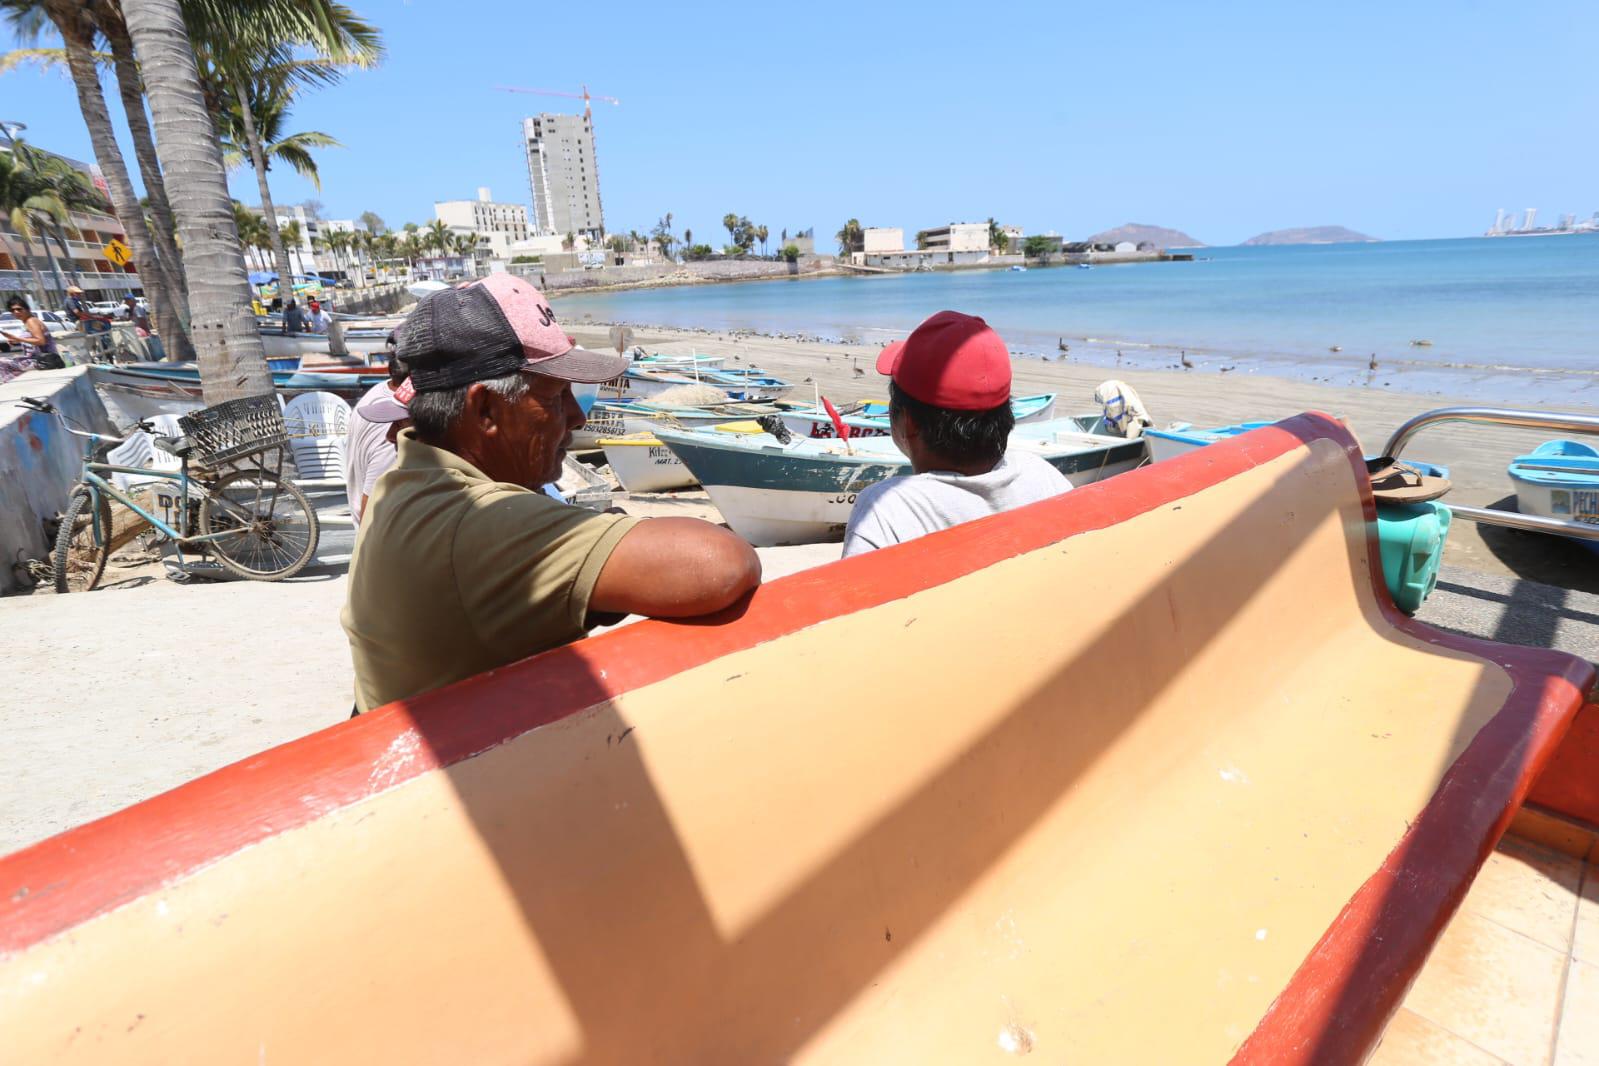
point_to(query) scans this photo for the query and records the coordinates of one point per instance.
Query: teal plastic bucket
(1411, 537)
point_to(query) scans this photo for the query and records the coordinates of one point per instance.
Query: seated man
(949, 412)
(461, 563)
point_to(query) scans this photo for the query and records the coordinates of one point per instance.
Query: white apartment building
(564, 175)
(882, 239)
(956, 237)
(496, 226)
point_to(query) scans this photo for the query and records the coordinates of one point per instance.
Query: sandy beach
(1476, 455)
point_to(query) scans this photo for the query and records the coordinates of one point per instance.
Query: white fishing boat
(870, 419)
(802, 491)
(642, 463)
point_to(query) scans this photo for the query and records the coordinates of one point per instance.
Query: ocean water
(1509, 320)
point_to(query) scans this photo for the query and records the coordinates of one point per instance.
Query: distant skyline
(1224, 121)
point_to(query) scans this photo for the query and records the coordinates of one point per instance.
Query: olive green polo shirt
(454, 574)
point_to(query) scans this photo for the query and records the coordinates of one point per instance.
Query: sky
(1222, 119)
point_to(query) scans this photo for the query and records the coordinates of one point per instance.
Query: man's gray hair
(435, 412)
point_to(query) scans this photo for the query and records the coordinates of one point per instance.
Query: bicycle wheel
(83, 543)
(272, 529)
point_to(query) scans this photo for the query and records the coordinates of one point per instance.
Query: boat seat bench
(1150, 772)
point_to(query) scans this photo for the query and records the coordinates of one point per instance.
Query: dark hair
(434, 412)
(959, 436)
(398, 369)
(18, 300)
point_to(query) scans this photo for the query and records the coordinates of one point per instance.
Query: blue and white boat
(1559, 479)
(679, 361)
(802, 492)
(641, 383)
(623, 418)
(1181, 438)
(870, 419)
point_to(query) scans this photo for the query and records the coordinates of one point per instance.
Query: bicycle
(254, 523)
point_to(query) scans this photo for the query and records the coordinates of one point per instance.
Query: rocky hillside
(1137, 232)
(1312, 235)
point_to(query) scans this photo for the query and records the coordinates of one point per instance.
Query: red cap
(952, 361)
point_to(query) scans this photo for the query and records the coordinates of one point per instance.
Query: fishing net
(688, 396)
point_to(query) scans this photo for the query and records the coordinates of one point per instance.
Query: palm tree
(54, 195)
(852, 238)
(223, 327)
(760, 235)
(438, 236)
(73, 21)
(22, 199)
(411, 247)
(251, 71)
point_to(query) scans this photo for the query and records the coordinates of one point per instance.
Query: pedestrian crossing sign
(118, 253)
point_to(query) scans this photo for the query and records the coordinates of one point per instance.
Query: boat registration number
(1581, 505)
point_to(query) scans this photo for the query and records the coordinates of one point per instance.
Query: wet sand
(1476, 455)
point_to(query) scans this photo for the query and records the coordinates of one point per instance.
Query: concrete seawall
(39, 462)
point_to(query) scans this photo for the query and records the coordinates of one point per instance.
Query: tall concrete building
(564, 174)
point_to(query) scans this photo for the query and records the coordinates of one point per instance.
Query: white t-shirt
(904, 508)
(367, 451)
(317, 321)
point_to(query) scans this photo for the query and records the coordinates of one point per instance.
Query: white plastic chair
(317, 423)
(140, 450)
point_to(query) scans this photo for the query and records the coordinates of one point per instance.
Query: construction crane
(584, 96)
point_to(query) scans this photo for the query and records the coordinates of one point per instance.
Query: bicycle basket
(234, 429)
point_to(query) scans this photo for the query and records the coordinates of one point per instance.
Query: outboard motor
(1123, 412)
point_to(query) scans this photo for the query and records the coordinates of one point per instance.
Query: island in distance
(1313, 235)
(1138, 233)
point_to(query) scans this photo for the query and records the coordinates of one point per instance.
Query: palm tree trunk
(269, 213)
(25, 260)
(91, 101)
(232, 361)
(43, 235)
(66, 252)
(131, 89)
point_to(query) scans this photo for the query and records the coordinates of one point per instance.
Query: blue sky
(1403, 120)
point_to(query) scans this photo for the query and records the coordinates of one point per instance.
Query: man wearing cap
(77, 309)
(461, 563)
(316, 320)
(949, 411)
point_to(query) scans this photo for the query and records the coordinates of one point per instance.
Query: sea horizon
(1498, 319)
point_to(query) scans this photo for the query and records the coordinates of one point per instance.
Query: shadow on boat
(612, 895)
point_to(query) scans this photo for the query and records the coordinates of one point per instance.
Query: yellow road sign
(118, 253)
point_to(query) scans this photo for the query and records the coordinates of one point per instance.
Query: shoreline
(1560, 388)
(1476, 456)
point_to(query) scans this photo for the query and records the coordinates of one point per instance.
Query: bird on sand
(1373, 364)
(1061, 345)
(1188, 364)
(1336, 348)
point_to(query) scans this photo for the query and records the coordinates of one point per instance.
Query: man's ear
(481, 408)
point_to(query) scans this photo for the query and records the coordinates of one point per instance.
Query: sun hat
(74, 288)
(491, 328)
(1396, 482)
(387, 405)
(951, 360)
